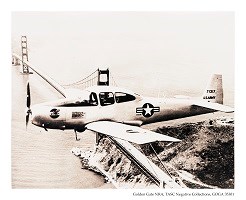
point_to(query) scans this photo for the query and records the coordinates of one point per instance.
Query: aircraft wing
(130, 133)
(48, 79)
(214, 106)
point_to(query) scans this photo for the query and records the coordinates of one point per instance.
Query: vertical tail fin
(214, 90)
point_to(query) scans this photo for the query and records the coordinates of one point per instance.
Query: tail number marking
(210, 91)
(209, 97)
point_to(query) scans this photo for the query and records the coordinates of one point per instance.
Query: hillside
(203, 159)
(206, 151)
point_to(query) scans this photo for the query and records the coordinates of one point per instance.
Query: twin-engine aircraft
(119, 112)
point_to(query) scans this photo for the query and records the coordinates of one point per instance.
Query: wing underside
(214, 106)
(127, 132)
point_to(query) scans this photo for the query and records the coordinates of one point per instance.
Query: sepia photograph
(122, 100)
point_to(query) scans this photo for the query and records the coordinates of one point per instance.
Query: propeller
(28, 104)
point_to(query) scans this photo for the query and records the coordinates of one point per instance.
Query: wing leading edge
(130, 133)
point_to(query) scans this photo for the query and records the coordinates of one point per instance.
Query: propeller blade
(28, 97)
(27, 119)
(28, 104)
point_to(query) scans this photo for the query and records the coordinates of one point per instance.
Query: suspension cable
(86, 81)
(91, 81)
(77, 82)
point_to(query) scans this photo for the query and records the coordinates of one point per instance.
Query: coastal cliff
(203, 159)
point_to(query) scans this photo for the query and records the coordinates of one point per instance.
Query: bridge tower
(25, 68)
(103, 77)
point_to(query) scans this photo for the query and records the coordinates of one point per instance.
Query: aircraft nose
(48, 117)
(38, 115)
(35, 116)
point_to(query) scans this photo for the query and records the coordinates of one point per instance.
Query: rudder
(214, 90)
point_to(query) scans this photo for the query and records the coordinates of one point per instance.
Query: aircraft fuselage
(56, 115)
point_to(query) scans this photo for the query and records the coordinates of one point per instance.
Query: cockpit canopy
(99, 96)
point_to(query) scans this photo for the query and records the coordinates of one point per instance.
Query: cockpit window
(106, 98)
(121, 97)
(93, 99)
(89, 100)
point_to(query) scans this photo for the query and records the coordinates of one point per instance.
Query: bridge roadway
(152, 171)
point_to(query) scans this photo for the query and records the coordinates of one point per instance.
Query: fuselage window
(106, 98)
(121, 97)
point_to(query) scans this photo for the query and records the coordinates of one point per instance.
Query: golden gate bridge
(98, 77)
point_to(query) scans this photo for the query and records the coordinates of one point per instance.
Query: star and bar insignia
(147, 110)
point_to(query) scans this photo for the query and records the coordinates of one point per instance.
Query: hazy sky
(149, 49)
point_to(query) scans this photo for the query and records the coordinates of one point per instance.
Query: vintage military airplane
(119, 112)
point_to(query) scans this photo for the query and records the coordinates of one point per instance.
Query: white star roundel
(147, 110)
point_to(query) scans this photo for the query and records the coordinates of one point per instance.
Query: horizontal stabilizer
(214, 106)
(130, 133)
